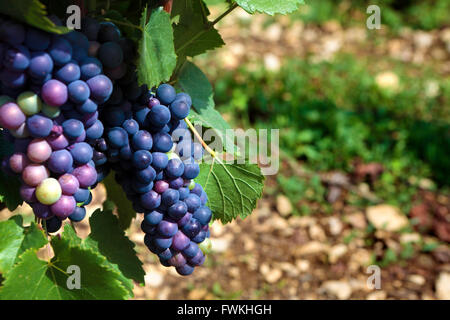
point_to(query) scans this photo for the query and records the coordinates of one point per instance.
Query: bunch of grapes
(152, 152)
(50, 92)
(74, 110)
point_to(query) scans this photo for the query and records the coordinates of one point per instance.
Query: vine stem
(207, 148)
(209, 26)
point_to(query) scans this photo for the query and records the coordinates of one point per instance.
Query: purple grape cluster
(148, 145)
(50, 91)
(74, 110)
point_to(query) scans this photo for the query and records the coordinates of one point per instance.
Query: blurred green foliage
(331, 113)
(430, 14)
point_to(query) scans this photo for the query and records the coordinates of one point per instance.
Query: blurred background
(364, 119)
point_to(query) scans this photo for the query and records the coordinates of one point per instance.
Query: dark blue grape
(53, 224)
(142, 159)
(117, 137)
(69, 72)
(78, 40)
(166, 94)
(191, 170)
(184, 193)
(99, 158)
(39, 126)
(87, 106)
(81, 152)
(153, 217)
(140, 115)
(60, 161)
(146, 175)
(108, 32)
(41, 65)
(110, 54)
(179, 109)
(79, 91)
(78, 214)
(150, 200)
(73, 128)
(101, 88)
(162, 242)
(37, 40)
(90, 67)
(162, 142)
(142, 140)
(148, 228)
(176, 183)
(192, 228)
(95, 131)
(169, 197)
(175, 168)
(167, 228)
(141, 188)
(160, 160)
(203, 215)
(193, 202)
(17, 59)
(177, 210)
(130, 126)
(159, 115)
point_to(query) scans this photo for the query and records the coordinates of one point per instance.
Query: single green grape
(205, 246)
(29, 103)
(48, 191)
(191, 185)
(49, 111)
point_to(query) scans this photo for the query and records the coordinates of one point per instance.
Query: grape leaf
(9, 185)
(31, 12)
(232, 189)
(109, 239)
(124, 207)
(34, 279)
(270, 6)
(70, 235)
(157, 58)
(9, 191)
(193, 81)
(193, 34)
(15, 239)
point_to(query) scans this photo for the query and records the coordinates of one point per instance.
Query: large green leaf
(34, 279)
(194, 82)
(117, 195)
(270, 6)
(232, 189)
(110, 240)
(193, 33)
(157, 58)
(32, 12)
(15, 239)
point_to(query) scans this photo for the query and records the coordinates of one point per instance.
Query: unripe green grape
(5, 99)
(191, 185)
(29, 103)
(48, 191)
(172, 155)
(49, 111)
(205, 246)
